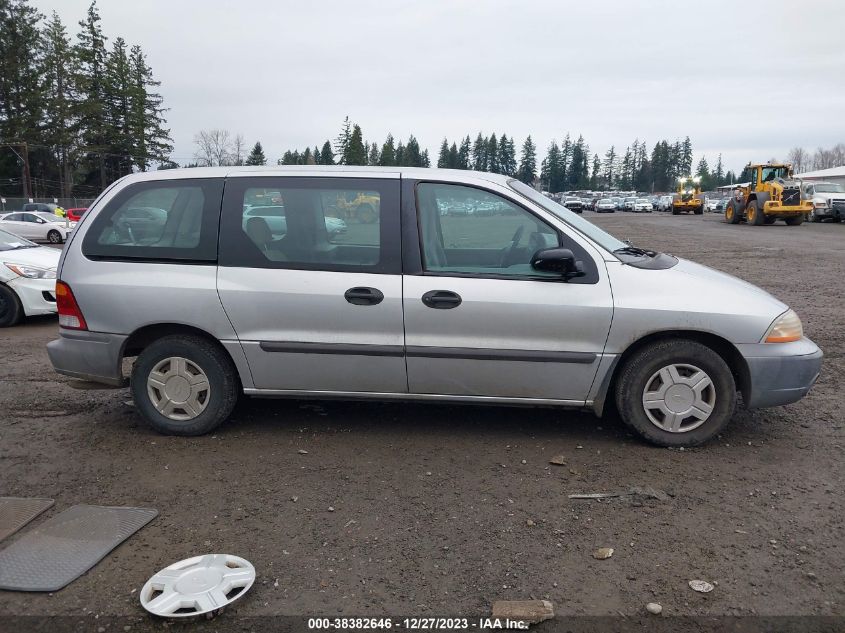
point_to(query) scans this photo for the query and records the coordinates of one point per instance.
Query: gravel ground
(423, 509)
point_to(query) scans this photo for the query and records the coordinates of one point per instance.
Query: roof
(833, 172)
(427, 173)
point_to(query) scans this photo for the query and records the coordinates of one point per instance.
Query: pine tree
(151, 139)
(425, 161)
(326, 154)
(388, 152)
(565, 160)
(318, 159)
(479, 153)
(685, 165)
(256, 156)
(493, 155)
(443, 157)
(21, 89)
(61, 105)
(399, 155)
(551, 172)
(413, 156)
(117, 94)
(609, 167)
(97, 132)
(464, 152)
(507, 156)
(595, 176)
(453, 160)
(373, 159)
(306, 157)
(527, 171)
(719, 172)
(356, 152)
(341, 144)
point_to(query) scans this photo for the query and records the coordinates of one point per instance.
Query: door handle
(441, 299)
(363, 296)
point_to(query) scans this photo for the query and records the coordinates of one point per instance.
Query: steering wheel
(506, 255)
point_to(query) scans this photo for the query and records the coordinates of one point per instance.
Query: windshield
(603, 239)
(9, 242)
(771, 173)
(829, 187)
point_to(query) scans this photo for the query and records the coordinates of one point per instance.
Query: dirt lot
(419, 509)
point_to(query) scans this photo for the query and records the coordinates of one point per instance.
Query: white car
(712, 204)
(27, 278)
(38, 226)
(642, 205)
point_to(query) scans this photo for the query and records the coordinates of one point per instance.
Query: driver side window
(471, 231)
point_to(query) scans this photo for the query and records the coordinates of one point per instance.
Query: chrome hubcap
(178, 388)
(679, 398)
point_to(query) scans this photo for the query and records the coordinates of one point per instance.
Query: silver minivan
(529, 304)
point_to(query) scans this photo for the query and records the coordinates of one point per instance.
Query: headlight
(786, 329)
(31, 272)
(820, 202)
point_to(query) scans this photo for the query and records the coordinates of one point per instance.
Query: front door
(479, 321)
(309, 275)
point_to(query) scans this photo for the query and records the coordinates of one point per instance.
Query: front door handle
(441, 299)
(363, 296)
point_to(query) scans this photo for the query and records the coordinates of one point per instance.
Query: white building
(834, 174)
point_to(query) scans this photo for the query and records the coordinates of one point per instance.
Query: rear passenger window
(175, 219)
(342, 224)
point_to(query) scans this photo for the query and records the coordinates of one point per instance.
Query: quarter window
(172, 220)
(471, 231)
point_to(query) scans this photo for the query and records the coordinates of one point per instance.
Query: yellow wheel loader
(689, 197)
(771, 195)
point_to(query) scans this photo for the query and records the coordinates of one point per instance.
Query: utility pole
(27, 178)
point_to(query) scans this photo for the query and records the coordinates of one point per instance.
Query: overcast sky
(746, 78)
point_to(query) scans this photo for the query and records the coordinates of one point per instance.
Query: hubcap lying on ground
(679, 398)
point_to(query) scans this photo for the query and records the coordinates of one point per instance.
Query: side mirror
(557, 260)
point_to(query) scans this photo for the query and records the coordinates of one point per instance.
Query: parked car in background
(828, 201)
(39, 226)
(642, 205)
(628, 203)
(711, 204)
(75, 214)
(274, 216)
(535, 307)
(619, 202)
(574, 204)
(605, 205)
(27, 278)
(664, 203)
(654, 200)
(45, 207)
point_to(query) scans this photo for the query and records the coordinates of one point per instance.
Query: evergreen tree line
(567, 166)
(81, 113)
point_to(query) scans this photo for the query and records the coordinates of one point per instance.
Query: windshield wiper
(636, 251)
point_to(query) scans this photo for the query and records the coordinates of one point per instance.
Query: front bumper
(88, 355)
(780, 373)
(38, 296)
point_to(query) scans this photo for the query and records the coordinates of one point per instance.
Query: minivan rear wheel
(676, 393)
(184, 385)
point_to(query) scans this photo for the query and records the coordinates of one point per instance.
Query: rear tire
(11, 310)
(641, 375)
(208, 361)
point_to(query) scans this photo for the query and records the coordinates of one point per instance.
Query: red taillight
(70, 316)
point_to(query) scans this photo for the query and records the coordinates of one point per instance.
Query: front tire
(795, 221)
(184, 385)
(11, 310)
(54, 237)
(754, 214)
(676, 393)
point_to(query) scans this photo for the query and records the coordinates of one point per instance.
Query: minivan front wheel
(184, 385)
(676, 393)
